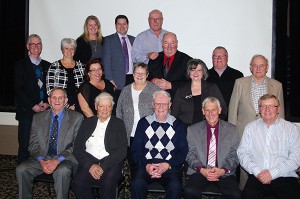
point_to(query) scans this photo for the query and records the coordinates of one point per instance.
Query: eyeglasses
(95, 70)
(268, 106)
(218, 56)
(161, 105)
(140, 74)
(258, 66)
(155, 19)
(196, 70)
(35, 44)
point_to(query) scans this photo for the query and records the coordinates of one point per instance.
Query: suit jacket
(115, 142)
(40, 134)
(183, 103)
(228, 142)
(26, 87)
(241, 109)
(177, 72)
(113, 59)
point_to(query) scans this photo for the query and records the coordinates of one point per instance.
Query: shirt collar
(168, 120)
(60, 114)
(35, 62)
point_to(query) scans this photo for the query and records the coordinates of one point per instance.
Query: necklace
(94, 44)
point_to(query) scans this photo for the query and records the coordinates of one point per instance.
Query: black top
(84, 50)
(198, 115)
(71, 88)
(90, 92)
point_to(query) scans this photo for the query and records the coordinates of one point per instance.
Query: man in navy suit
(114, 57)
(31, 96)
(169, 69)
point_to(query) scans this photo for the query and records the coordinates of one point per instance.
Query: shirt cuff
(226, 170)
(39, 158)
(61, 158)
(198, 168)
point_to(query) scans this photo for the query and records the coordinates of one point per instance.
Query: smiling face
(196, 74)
(104, 108)
(122, 26)
(161, 105)
(211, 111)
(219, 59)
(269, 110)
(95, 72)
(259, 67)
(57, 100)
(140, 75)
(35, 47)
(155, 21)
(169, 44)
(68, 51)
(92, 27)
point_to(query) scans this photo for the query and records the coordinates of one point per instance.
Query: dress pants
(24, 128)
(171, 180)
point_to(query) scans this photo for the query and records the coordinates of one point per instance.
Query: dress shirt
(258, 90)
(145, 43)
(95, 144)
(34, 61)
(129, 47)
(170, 61)
(275, 148)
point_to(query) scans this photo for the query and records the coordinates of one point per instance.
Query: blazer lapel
(221, 152)
(65, 123)
(202, 138)
(45, 125)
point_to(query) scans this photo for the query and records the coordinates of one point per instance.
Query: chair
(156, 190)
(47, 178)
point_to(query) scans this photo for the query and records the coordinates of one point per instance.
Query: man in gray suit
(48, 156)
(212, 156)
(115, 56)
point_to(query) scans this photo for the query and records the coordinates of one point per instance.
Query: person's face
(169, 44)
(92, 27)
(140, 75)
(211, 112)
(219, 59)
(95, 72)
(35, 46)
(197, 73)
(259, 67)
(161, 107)
(68, 51)
(57, 100)
(155, 21)
(104, 109)
(269, 110)
(122, 26)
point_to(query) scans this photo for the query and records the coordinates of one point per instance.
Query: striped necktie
(212, 150)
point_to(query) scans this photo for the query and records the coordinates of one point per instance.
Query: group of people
(116, 97)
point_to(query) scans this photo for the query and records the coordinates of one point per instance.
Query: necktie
(52, 151)
(166, 67)
(212, 150)
(39, 75)
(126, 57)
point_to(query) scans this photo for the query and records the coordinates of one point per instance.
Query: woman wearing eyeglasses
(187, 103)
(92, 87)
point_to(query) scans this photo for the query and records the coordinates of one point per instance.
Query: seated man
(212, 154)
(100, 148)
(159, 149)
(270, 153)
(51, 144)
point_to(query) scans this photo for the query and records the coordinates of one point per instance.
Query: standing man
(169, 69)
(159, 149)
(212, 156)
(51, 145)
(221, 74)
(31, 95)
(117, 59)
(100, 148)
(270, 153)
(147, 44)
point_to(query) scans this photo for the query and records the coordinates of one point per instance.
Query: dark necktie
(166, 67)
(52, 151)
(39, 76)
(212, 152)
(126, 57)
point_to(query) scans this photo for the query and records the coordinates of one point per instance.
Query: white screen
(244, 28)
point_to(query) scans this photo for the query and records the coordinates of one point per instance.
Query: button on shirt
(95, 144)
(276, 148)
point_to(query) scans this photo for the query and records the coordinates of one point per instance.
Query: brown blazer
(241, 110)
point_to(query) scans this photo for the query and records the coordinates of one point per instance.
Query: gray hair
(193, 63)
(161, 92)
(220, 48)
(68, 41)
(58, 88)
(266, 97)
(33, 36)
(212, 100)
(261, 56)
(104, 95)
(142, 65)
(156, 10)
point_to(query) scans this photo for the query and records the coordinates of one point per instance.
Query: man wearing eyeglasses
(159, 149)
(31, 95)
(147, 44)
(270, 152)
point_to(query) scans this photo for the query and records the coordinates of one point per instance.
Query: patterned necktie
(126, 57)
(212, 150)
(39, 75)
(166, 67)
(52, 151)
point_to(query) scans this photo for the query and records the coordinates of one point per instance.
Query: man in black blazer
(168, 70)
(114, 56)
(100, 148)
(31, 95)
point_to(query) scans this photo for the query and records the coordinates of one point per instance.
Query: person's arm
(84, 106)
(107, 60)
(138, 54)
(234, 103)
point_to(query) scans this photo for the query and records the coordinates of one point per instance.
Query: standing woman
(94, 85)
(66, 73)
(89, 44)
(187, 103)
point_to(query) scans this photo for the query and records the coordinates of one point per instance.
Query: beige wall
(9, 139)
